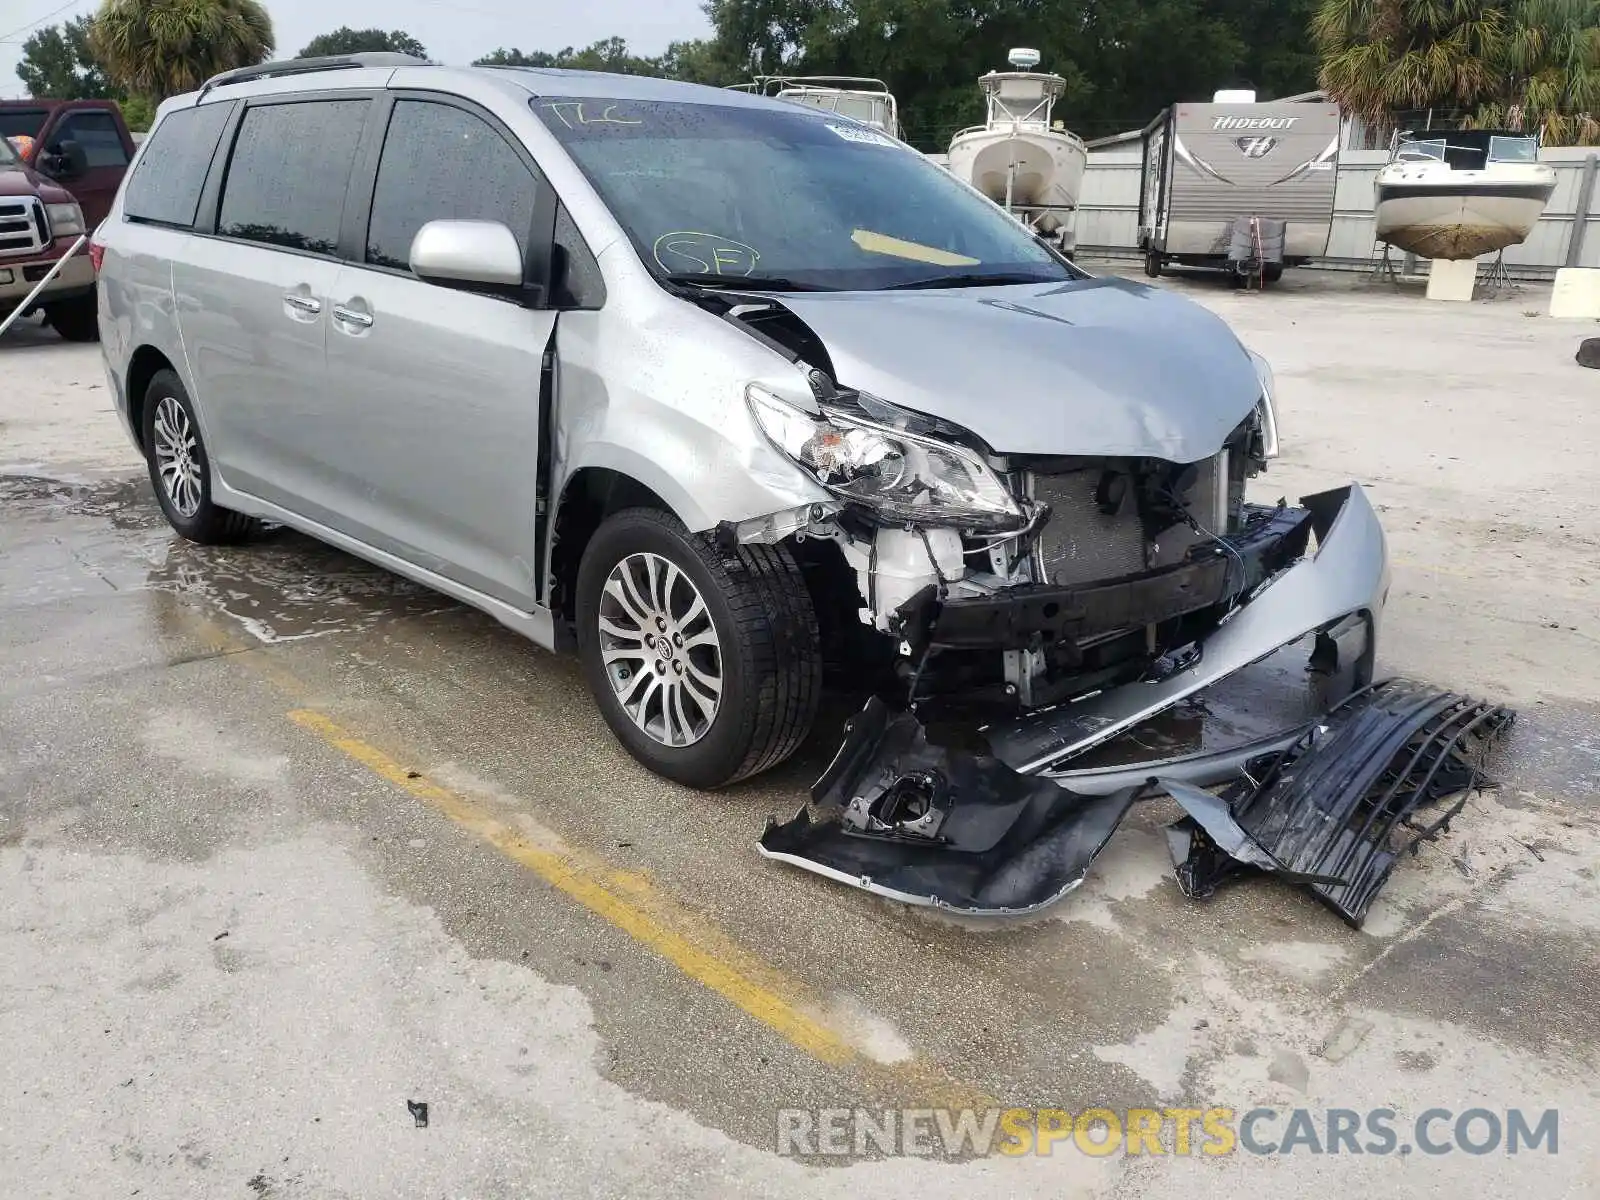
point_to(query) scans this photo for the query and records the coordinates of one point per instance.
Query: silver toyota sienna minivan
(726, 394)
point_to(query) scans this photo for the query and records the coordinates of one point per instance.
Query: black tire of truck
(208, 524)
(765, 635)
(76, 320)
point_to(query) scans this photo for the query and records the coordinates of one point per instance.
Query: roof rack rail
(305, 66)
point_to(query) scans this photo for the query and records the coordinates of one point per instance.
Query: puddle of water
(279, 587)
(125, 503)
(290, 588)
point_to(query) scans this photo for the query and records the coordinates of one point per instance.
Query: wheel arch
(588, 496)
(146, 363)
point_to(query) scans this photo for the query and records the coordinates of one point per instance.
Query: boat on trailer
(857, 97)
(1461, 193)
(1019, 157)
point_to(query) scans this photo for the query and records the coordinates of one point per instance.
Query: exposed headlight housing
(66, 220)
(903, 476)
(1266, 407)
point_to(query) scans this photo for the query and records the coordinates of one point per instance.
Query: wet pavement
(287, 841)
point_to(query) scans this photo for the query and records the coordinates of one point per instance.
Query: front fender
(675, 419)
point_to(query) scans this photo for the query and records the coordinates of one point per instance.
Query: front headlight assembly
(66, 220)
(1266, 407)
(903, 476)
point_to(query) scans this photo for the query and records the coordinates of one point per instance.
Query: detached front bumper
(1012, 833)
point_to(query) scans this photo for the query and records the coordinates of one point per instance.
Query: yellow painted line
(625, 899)
(569, 874)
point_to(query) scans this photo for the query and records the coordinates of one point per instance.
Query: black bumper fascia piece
(936, 826)
(1035, 614)
(1336, 809)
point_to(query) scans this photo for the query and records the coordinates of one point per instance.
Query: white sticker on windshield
(866, 137)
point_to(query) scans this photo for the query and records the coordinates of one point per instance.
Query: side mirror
(67, 161)
(477, 256)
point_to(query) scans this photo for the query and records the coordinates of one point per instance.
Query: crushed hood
(1091, 366)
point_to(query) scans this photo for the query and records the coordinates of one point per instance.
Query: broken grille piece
(1337, 808)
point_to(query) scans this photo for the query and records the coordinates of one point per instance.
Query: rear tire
(1152, 264)
(180, 468)
(732, 686)
(76, 320)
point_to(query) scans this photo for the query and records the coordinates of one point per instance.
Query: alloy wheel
(660, 649)
(176, 450)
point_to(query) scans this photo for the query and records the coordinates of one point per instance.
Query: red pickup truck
(61, 162)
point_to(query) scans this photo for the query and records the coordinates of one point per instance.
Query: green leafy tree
(516, 58)
(696, 61)
(159, 48)
(138, 113)
(57, 64)
(608, 54)
(345, 40)
(1123, 60)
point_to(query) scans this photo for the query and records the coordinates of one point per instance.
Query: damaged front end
(1031, 639)
(1046, 601)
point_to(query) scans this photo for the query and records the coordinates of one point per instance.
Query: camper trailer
(1238, 185)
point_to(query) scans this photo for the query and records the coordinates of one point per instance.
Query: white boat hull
(1039, 172)
(1435, 212)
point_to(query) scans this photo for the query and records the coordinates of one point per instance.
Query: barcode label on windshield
(866, 137)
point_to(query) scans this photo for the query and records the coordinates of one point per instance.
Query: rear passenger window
(166, 184)
(97, 132)
(290, 168)
(441, 163)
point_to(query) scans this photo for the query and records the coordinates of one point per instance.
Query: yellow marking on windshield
(882, 243)
(710, 253)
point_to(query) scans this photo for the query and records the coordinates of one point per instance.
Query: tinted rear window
(21, 122)
(290, 169)
(97, 132)
(166, 184)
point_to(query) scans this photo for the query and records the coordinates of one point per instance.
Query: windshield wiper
(745, 283)
(969, 279)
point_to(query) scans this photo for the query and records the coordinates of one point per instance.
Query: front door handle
(350, 316)
(309, 305)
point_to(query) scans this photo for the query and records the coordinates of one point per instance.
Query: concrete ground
(287, 843)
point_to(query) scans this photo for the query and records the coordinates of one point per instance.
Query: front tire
(1152, 263)
(705, 664)
(75, 320)
(180, 469)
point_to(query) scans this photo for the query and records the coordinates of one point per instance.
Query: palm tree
(1551, 73)
(1383, 56)
(159, 48)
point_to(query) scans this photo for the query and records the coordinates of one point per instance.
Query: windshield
(8, 156)
(1513, 149)
(815, 201)
(1421, 150)
(863, 108)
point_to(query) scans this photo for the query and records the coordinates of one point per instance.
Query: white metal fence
(1108, 211)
